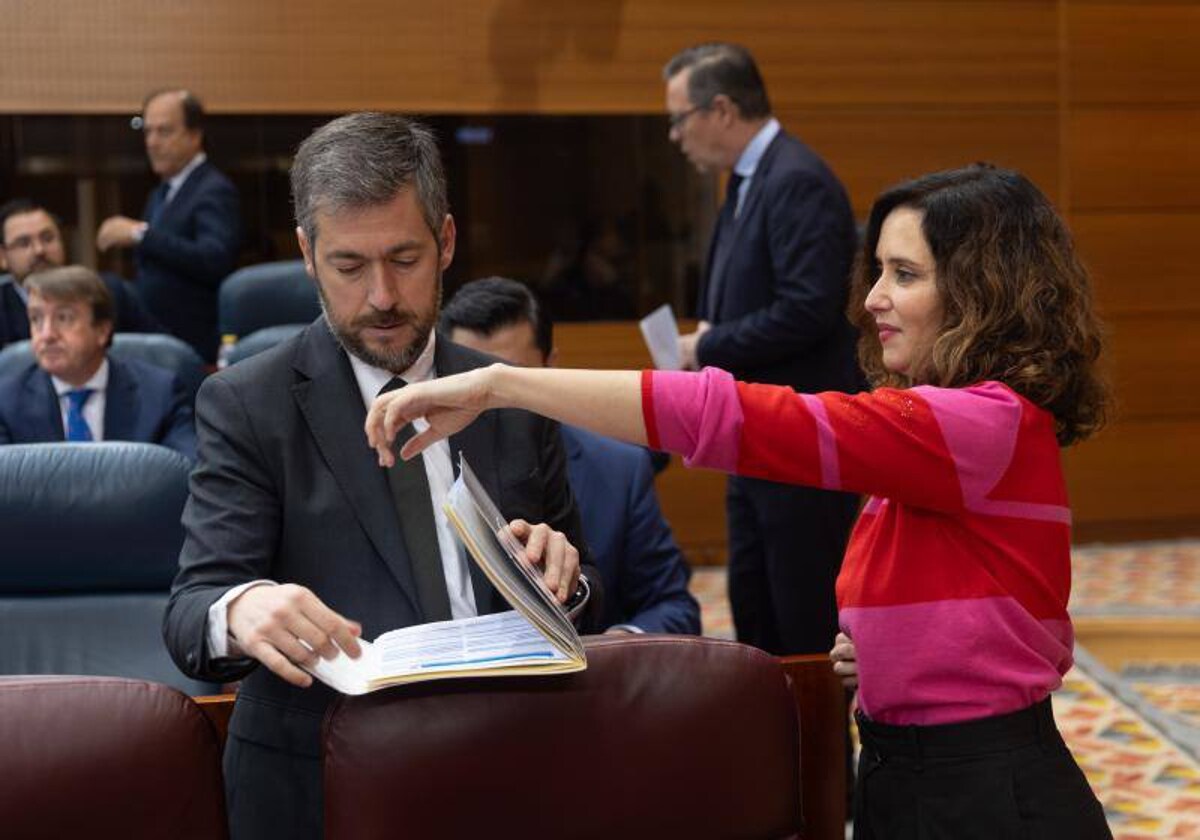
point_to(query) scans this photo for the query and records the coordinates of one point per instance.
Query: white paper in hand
(661, 333)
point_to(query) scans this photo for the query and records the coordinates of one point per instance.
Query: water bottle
(225, 350)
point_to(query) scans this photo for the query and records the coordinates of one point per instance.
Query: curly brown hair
(1016, 301)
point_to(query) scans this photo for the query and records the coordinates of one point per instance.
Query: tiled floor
(1135, 733)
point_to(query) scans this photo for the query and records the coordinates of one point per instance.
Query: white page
(661, 333)
(488, 641)
(495, 640)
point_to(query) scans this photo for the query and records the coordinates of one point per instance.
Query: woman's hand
(448, 404)
(845, 661)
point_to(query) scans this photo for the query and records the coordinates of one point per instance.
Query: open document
(535, 637)
(661, 333)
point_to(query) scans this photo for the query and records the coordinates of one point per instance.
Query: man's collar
(176, 180)
(748, 161)
(98, 382)
(371, 379)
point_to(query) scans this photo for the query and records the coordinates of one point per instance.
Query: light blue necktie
(77, 427)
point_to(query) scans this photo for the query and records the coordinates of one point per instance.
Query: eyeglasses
(676, 121)
(23, 243)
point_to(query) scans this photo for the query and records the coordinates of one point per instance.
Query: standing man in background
(771, 310)
(190, 232)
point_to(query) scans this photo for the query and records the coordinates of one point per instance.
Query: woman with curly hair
(979, 334)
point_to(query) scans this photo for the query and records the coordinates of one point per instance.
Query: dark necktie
(158, 200)
(77, 427)
(414, 508)
(724, 234)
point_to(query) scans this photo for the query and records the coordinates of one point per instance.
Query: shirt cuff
(628, 628)
(220, 644)
(138, 233)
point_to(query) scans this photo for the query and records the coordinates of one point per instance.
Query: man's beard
(39, 264)
(349, 336)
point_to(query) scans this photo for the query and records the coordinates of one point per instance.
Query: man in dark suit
(297, 540)
(188, 238)
(74, 391)
(644, 573)
(31, 240)
(771, 309)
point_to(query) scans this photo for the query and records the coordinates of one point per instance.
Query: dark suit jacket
(644, 574)
(779, 315)
(143, 403)
(287, 489)
(186, 253)
(131, 315)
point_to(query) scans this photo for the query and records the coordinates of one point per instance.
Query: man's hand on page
(552, 551)
(286, 626)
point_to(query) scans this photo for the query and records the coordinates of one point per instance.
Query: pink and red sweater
(955, 582)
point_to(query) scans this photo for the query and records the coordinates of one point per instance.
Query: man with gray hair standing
(297, 541)
(772, 310)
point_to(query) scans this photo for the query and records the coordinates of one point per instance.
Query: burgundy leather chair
(106, 757)
(661, 736)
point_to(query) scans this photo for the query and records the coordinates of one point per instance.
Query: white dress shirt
(93, 409)
(747, 162)
(176, 180)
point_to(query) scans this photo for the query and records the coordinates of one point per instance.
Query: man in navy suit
(644, 574)
(31, 240)
(188, 238)
(771, 309)
(74, 391)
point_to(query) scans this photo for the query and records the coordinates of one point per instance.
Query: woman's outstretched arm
(606, 402)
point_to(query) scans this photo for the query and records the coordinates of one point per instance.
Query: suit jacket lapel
(120, 404)
(328, 397)
(42, 410)
(729, 227)
(477, 442)
(184, 194)
(761, 173)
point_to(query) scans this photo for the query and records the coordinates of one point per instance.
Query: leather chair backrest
(264, 295)
(105, 757)
(159, 349)
(263, 339)
(90, 538)
(660, 737)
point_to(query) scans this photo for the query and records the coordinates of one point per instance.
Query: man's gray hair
(363, 160)
(722, 68)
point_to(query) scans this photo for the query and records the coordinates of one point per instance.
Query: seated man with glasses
(74, 391)
(31, 240)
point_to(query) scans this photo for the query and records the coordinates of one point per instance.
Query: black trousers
(785, 550)
(283, 799)
(1008, 776)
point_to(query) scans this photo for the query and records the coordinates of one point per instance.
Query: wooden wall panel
(873, 149)
(1124, 159)
(1144, 476)
(1098, 102)
(1141, 263)
(607, 345)
(1133, 52)
(515, 55)
(1155, 367)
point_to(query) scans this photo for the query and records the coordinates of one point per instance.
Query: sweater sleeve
(939, 448)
